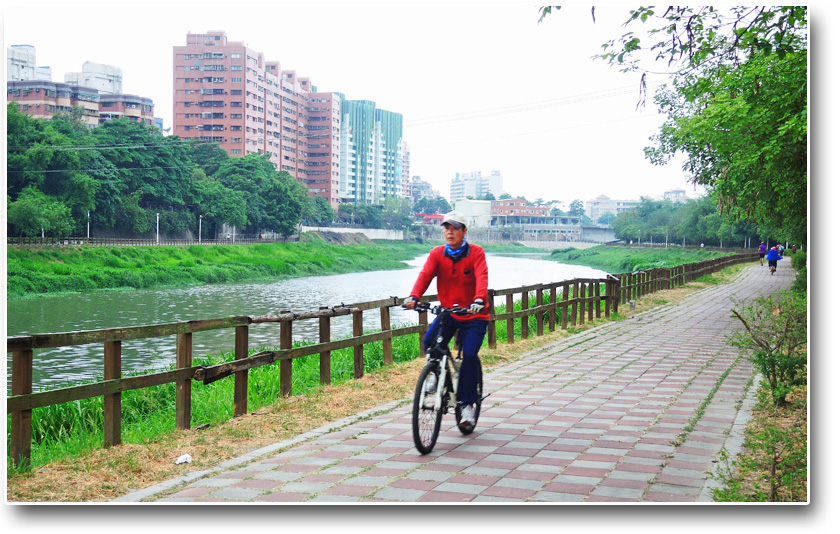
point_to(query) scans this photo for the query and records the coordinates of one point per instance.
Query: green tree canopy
(737, 105)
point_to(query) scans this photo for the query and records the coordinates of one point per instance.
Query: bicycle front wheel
(425, 420)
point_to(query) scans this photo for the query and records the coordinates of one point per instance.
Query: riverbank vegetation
(39, 270)
(617, 259)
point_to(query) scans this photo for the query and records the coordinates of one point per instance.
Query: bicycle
(432, 402)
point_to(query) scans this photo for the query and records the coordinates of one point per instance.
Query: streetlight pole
(157, 231)
(199, 228)
(88, 226)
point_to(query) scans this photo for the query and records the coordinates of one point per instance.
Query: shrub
(776, 331)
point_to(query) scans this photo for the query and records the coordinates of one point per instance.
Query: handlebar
(440, 310)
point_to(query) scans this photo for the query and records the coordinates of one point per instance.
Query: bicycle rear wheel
(425, 420)
(468, 429)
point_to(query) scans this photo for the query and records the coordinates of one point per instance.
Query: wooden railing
(569, 303)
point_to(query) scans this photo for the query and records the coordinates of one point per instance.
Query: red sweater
(460, 282)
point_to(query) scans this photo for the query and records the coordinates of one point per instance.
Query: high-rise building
(475, 185)
(373, 151)
(227, 93)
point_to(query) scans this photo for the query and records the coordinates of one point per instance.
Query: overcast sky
(481, 86)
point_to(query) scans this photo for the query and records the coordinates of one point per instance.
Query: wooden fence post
(325, 358)
(286, 363)
(526, 304)
(540, 310)
(20, 443)
(575, 295)
(583, 298)
(240, 378)
(112, 402)
(387, 344)
(597, 302)
(358, 350)
(509, 309)
(564, 319)
(183, 388)
(423, 320)
(552, 309)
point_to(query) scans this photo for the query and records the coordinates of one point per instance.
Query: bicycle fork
(441, 384)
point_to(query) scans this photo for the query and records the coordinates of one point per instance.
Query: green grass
(616, 259)
(41, 270)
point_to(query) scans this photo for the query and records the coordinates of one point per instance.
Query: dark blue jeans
(472, 336)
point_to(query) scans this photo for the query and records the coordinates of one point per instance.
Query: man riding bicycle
(461, 271)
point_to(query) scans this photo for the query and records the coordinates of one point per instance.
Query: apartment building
(97, 90)
(227, 93)
(603, 204)
(43, 99)
(374, 156)
(475, 185)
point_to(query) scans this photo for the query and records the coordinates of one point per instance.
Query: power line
(470, 115)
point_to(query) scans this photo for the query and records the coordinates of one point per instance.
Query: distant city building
(520, 218)
(404, 170)
(603, 204)
(371, 143)
(42, 99)
(103, 78)
(475, 185)
(36, 95)
(479, 213)
(227, 93)
(677, 196)
(21, 65)
(421, 189)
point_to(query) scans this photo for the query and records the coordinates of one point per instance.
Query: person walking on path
(461, 272)
(762, 251)
(772, 258)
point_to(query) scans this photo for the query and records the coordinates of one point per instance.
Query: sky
(481, 86)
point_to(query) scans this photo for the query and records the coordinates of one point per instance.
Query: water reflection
(108, 309)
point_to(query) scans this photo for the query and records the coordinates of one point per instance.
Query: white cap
(455, 218)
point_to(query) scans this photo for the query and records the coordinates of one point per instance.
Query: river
(62, 366)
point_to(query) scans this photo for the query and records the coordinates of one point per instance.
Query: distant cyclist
(461, 272)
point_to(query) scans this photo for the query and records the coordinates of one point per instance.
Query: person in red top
(461, 272)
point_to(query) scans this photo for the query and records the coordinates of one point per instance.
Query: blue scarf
(455, 252)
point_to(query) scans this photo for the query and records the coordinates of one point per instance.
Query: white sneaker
(431, 383)
(467, 416)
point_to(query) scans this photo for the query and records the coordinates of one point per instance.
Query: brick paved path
(599, 416)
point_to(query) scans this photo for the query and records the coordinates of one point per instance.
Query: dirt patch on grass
(105, 474)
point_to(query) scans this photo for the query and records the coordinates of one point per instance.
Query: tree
(738, 103)
(744, 134)
(432, 205)
(576, 208)
(607, 218)
(274, 200)
(34, 212)
(317, 211)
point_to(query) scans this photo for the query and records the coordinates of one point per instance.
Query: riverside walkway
(631, 411)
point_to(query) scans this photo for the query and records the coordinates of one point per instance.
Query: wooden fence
(575, 301)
